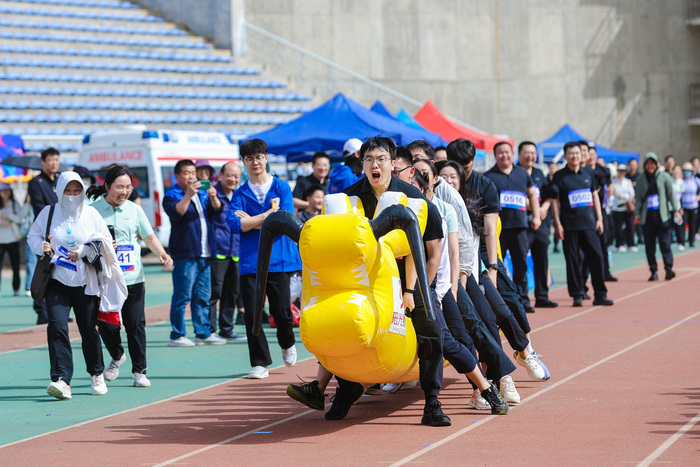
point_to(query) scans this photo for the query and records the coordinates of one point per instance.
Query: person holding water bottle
(655, 205)
(126, 222)
(72, 224)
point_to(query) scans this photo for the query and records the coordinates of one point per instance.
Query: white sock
(529, 348)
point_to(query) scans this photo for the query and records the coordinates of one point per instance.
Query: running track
(625, 389)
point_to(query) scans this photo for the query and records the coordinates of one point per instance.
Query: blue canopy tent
(329, 126)
(406, 119)
(379, 108)
(550, 150)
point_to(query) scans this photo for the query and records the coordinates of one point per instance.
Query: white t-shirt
(206, 251)
(261, 190)
(449, 225)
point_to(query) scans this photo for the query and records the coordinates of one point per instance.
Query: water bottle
(70, 239)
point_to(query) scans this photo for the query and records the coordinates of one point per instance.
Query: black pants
(506, 320)
(134, 321)
(12, 250)
(690, 218)
(278, 296)
(516, 241)
(538, 242)
(225, 289)
(472, 304)
(508, 292)
(655, 229)
(587, 242)
(624, 228)
(59, 300)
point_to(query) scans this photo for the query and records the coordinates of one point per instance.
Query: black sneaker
(654, 277)
(308, 394)
(546, 303)
(585, 296)
(578, 301)
(498, 405)
(670, 275)
(434, 416)
(345, 396)
(602, 301)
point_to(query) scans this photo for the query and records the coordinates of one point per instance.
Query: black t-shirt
(512, 191)
(433, 226)
(483, 185)
(304, 183)
(488, 196)
(602, 177)
(545, 190)
(576, 191)
(363, 190)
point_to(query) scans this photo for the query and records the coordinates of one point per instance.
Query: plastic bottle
(70, 239)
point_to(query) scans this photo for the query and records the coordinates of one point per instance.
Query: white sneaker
(258, 372)
(534, 370)
(622, 249)
(392, 388)
(28, 293)
(289, 356)
(112, 371)
(681, 247)
(140, 381)
(180, 342)
(478, 402)
(213, 339)
(613, 249)
(634, 249)
(508, 391)
(97, 385)
(59, 389)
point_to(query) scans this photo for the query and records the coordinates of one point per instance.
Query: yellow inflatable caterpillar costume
(353, 319)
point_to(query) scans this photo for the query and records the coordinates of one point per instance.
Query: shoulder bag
(44, 267)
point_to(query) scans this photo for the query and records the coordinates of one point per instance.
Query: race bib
(653, 202)
(513, 200)
(398, 321)
(689, 198)
(62, 259)
(581, 198)
(126, 258)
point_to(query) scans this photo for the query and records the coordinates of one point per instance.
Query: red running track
(625, 389)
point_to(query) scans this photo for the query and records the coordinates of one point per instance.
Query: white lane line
(446, 440)
(177, 396)
(626, 297)
(237, 437)
(669, 442)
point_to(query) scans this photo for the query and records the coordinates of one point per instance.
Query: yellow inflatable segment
(352, 318)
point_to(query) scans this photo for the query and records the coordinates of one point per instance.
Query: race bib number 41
(513, 200)
(581, 198)
(125, 256)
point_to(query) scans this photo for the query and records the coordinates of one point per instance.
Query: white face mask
(70, 204)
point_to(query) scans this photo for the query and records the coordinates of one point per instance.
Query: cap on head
(622, 167)
(351, 146)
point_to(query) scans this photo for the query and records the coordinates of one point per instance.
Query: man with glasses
(250, 205)
(403, 165)
(377, 155)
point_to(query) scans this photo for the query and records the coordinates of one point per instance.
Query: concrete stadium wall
(617, 70)
(212, 19)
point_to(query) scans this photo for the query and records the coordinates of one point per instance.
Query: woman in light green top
(127, 222)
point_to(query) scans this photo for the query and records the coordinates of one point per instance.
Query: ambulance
(151, 155)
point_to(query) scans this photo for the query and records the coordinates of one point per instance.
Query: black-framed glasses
(396, 172)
